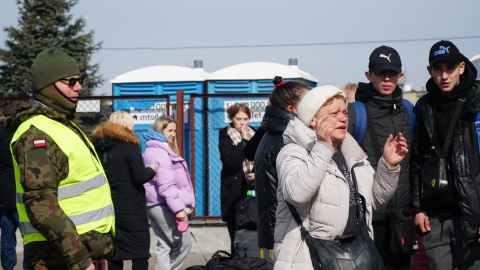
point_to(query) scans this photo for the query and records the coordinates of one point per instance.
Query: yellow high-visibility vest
(84, 195)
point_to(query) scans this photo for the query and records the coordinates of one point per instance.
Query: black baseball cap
(444, 50)
(384, 58)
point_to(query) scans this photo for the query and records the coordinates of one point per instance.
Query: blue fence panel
(159, 88)
(210, 116)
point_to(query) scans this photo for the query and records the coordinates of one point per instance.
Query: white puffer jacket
(309, 179)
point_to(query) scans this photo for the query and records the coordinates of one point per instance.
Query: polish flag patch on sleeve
(39, 143)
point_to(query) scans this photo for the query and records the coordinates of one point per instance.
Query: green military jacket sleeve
(41, 169)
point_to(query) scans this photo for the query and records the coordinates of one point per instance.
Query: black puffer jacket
(275, 122)
(119, 150)
(389, 116)
(7, 176)
(463, 155)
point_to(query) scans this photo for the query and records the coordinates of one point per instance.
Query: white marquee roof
(260, 71)
(476, 57)
(162, 73)
(476, 62)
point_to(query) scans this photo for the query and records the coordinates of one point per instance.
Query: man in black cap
(445, 163)
(384, 113)
(62, 195)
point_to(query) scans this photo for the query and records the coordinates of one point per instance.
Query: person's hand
(250, 180)
(181, 216)
(323, 130)
(423, 221)
(395, 150)
(153, 167)
(90, 267)
(245, 134)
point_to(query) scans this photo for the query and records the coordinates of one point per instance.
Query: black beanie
(51, 65)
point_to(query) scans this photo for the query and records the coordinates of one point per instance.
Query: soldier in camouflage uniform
(42, 164)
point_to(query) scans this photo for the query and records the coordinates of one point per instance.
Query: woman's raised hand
(395, 150)
(323, 130)
(245, 134)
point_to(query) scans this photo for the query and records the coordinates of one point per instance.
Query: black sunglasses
(73, 81)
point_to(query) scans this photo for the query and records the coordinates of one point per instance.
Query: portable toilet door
(247, 78)
(158, 80)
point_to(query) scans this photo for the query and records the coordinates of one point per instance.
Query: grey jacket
(309, 179)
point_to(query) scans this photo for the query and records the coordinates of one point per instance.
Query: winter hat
(444, 50)
(51, 65)
(384, 58)
(314, 100)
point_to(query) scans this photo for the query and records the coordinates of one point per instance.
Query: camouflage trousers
(44, 255)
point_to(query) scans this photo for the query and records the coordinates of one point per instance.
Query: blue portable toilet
(158, 80)
(246, 78)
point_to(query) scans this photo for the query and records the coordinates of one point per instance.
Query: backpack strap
(360, 121)
(361, 118)
(418, 110)
(477, 126)
(409, 107)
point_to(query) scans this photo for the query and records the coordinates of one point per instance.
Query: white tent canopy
(260, 71)
(476, 62)
(163, 73)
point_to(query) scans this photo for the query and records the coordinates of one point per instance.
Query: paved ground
(210, 235)
(192, 259)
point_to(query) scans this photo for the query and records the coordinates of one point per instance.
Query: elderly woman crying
(328, 188)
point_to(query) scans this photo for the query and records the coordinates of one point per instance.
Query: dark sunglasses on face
(73, 81)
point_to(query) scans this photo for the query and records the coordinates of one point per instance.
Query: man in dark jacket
(386, 115)
(8, 210)
(449, 215)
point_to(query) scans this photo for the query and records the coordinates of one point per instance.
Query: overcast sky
(368, 23)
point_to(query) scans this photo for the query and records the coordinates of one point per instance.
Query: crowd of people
(342, 176)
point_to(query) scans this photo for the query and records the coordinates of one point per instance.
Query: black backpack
(224, 260)
(246, 214)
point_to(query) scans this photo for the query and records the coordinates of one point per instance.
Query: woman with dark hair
(236, 168)
(284, 101)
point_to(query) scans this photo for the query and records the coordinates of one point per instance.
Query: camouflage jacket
(64, 248)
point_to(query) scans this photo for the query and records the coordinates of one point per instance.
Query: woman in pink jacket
(170, 196)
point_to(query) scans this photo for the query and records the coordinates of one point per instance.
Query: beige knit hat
(314, 100)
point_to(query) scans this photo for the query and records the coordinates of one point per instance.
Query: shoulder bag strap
(295, 214)
(359, 210)
(456, 116)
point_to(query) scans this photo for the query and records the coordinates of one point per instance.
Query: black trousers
(138, 264)
(232, 227)
(382, 242)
